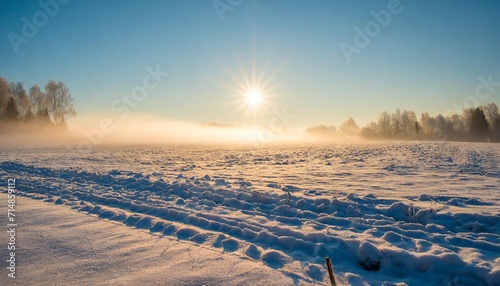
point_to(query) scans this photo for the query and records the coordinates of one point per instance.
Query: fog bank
(146, 129)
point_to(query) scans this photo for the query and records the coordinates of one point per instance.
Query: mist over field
(147, 129)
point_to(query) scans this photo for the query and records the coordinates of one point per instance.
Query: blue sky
(427, 58)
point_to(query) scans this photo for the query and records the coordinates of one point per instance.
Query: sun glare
(254, 98)
(253, 91)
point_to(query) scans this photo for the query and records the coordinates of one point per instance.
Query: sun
(253, 98)
(252, 91)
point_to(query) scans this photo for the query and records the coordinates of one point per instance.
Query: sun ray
(252, 89)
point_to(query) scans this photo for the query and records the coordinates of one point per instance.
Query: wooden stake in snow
(330, 271)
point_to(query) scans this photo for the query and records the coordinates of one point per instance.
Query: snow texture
(394, 213)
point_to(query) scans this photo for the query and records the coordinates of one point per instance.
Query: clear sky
(427, 57)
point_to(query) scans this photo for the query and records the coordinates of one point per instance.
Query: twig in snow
(330, 271)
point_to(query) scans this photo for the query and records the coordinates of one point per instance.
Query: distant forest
(35, 110)
(480, 124)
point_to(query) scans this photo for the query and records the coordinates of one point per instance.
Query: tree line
(473, 124)
(21, 110)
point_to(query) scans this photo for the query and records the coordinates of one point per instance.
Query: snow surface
(59, 246)
(385, 213)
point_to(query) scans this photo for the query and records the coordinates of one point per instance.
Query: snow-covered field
(395, 213)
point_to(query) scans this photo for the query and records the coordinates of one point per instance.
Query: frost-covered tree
(22, 101)
(349, 128)
(476, 122)
(38, 99)
(495, 130)
(490, 112)
(4, 93)
(11, 114)
(409, 124)
(59, 102)
(395, 123)
(384, 124)
(370, 130)
(427, 123)
(434, 127)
